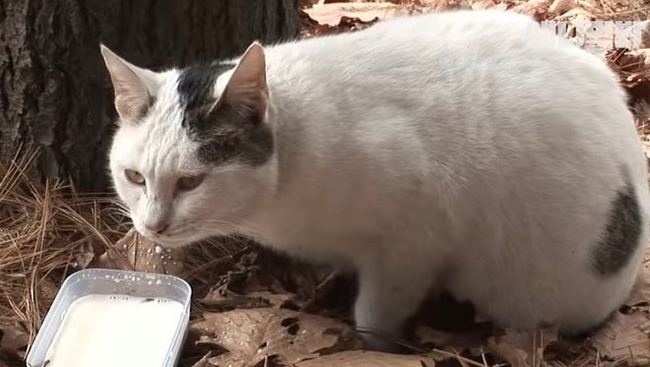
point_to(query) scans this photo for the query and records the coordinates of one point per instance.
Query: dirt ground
(292, 314)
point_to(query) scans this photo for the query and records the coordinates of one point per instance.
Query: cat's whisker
(120, 204)
(121, 211)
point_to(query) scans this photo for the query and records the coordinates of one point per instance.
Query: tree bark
(55, 92)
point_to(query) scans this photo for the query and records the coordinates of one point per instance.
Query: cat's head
(194, 154)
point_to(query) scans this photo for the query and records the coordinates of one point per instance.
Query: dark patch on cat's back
(621, 236)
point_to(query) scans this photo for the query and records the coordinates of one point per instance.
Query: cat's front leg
(390, 292)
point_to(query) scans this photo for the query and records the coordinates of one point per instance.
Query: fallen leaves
(135, 252)
(625, 337)
(344, 16)
(363, 358)
(520, 348)
(455, 341)
(228, 300)
(536, 8)
(312, 28)
(558, 7)
(13, 345)
(253, 336)
(640, 295)
(331, 14)
(633, 71)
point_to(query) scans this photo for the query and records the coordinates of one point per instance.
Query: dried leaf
(483, 4)
(84, 256)
(561, 6)
(331, 14)
(634, 73)
(216, 301)
(135, 252)
(259, 281)
(13, 345)
(362, 358)
(10, 361)
(439, 338)
(251, 336)
(644, 53)
(311, 27)
(641, 293)
(204, 361)
(13, 338)
(624, 337)
(533, 7)
(576, 14)
(522, 349)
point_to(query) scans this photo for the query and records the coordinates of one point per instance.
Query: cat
(467, 151)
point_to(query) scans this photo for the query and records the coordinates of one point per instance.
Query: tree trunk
(55, 92)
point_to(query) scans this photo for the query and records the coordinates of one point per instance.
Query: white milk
(111, 331)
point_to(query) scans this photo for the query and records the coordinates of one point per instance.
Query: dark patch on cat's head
(196, 84)
(226, 132)
(622, 234)
(231, 134)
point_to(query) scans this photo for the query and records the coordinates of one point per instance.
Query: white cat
(466, 151)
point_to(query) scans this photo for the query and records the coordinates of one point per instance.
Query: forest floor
(293, 314)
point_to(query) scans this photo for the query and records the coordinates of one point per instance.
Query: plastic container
(92, 282)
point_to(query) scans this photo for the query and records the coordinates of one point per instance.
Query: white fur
(467, 151)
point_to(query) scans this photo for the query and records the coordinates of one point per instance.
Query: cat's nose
(156, 227)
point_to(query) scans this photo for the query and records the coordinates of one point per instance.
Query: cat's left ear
(134, 87)
(247, 88)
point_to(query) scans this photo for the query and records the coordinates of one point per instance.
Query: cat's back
(451, 57)
(449, 72)
(456, 24)
(442, 41)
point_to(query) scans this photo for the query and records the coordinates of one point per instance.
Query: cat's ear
(133, 86)
(247, 88)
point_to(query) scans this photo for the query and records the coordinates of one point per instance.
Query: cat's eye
(189, 182)
(134, 176)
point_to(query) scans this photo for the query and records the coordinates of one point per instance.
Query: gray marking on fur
(228, 133)
(196, 84)
(620, 239)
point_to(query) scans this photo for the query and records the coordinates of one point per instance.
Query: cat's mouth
(182, 235)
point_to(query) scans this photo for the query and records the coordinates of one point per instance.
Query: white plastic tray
(112, 282)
